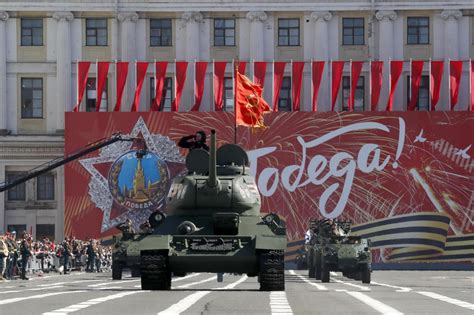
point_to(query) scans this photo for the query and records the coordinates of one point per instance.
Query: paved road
(391, 292)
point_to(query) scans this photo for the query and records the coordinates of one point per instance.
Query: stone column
(451, 32)
(321, 52)
(3, 72)
(192, 21)
(386, 35)
(63, 66)
(128, 53)
(257, 48)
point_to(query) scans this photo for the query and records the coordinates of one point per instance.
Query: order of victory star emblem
(125, 187)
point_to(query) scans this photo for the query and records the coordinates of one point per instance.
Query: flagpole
(449, 83)
(234, 73)
(311, 80)
(115, 83)
(135, 84)
(77, 85)
(175, 83)
(330, 84)
(96, 81)
(411, 80)
(370, 83)
(194, 85)
(429, 84)
(351, 107)
(291, 84)
(389, 77)
(470, 86)
(273, 84)
(213, 86)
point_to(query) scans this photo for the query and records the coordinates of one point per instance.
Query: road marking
(447, 299)
(110, 282)
(82, 305)
(13, 300)
(317, 286)
(399, 289)
(55, 276)
(333, 273)
(186, 277)
(188, 301)
(187, 285)
(363, 288)
(68, 282)
(35, 289)
(279, 304)
(375, 304)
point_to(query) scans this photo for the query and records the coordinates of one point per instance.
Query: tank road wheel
(272, 270)
(155, 274)
(324, 272)
(135, 272)
(365, 273)
(317, 274)
(116, 271)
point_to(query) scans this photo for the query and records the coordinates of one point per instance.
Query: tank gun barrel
(212, 180)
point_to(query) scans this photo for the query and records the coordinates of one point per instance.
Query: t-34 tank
(213, 224)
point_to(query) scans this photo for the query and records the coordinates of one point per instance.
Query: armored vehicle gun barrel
(212, 181)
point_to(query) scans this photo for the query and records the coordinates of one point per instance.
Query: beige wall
(354, 52)
(424, 52)
(31, 125)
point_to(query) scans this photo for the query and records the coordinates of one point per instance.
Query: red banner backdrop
(102, 72)
(122, 72)
(337, 69)
(455, 72)
(200, 77)
(278, 74)
(396, 68)
(219, 72)
(403, 179)
(317, 68)
(296, 83)
(160, 75)
(259, 72)
(435, 82)
(141, 68)
(82, 71)
(376, 68)
(356, 68)
(416, 72)
(180, 75)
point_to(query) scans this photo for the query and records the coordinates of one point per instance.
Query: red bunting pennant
(279, 72)
(201, 68)
(396, 68)
(82, 71)
(376, 69)
(356, 68)
(141, 67)
(455, 72)
(296, 81)
(472, 85)
(435, 82)
(160, 76)
(337, 69)
(260, 69)
(416, 72)
(219, 72)
(317, 74)
(102, 72)
(180, 77)
(122, 72)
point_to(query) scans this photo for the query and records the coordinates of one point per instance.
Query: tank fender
(155, 242)
(270, 242)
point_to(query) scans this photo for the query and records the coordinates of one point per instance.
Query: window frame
(353, 28)
(96, 28)
(106, 99)
(285, 87)
(38, 188)
(288, 28)
(424, 79)
(163, 107)
(225, 30)
(347, 87)
(31, 28)
(418, 30)
(22, 98)
(161, 35)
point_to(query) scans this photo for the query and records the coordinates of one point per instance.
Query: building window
(353, 31)
(31, 98)
(284, 100)
(166, 95)
(96, 32)
(18, 192)
(18, 228)
(224, 32)
(91, 96)
(45, 230)
(228, 95)
(423, 102)
(418, 29)
(160, 32)
(359, 94)
(45, 187)
(288, 32)
(31, 32)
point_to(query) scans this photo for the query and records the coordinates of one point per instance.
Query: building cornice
(187, 17)
(388, 15)
(257, 16)
(63, 16)
(447, 14)
(127, 16)
(321, 16)
(3, 16)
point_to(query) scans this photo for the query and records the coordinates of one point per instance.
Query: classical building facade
(41, 42)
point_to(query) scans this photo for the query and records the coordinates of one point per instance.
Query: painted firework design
(404, 179)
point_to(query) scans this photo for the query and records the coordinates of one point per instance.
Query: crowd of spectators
(23, 256)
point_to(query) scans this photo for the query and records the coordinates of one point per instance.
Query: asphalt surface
(391, 292)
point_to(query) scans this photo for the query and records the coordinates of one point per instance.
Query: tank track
(272, 270)
(155, 274)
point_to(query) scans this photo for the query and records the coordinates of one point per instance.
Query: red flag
(219, 72)
(317, 74)
(337, 68)
(141, 67)
(356, 68)
(181, 67)
(201, 68)
(122, 72)
(102, 72)
(396, 68)
(260, 69)
(160, 76)
(435, 82)
(416, 72)
(296, 81)
(472, 85)
(455, 71)
(279, 71)
(376, 83)
(250, 105)
(82, 71)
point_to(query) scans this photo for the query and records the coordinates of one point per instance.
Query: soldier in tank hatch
(196, 141)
